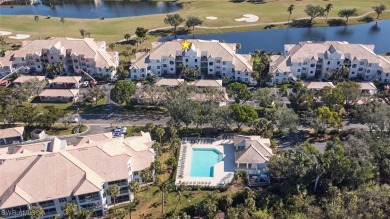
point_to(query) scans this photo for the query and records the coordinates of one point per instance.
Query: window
(328, 62)
(223, 63)
(353, 73)
(366, 76)
(385, 80)
(238, 72)
(61, 58)
(360, 69)
(387, 74)
(285, 73)
(158, 67)
(338, 62)
(142, 70)
(311, 72)
(62, 200)
(196, 60)
(246, 79)
(312, 65)
(135, 173)
(368, 70)
(299, 70)
(299, 64)
(327, 69)
(51, 57)
(361, 63)
(30, 57)
(304, 63)
(37, 60)
(354, 66)
(303, 69)
(143, 75)
(134, 70)
(171, 62)
(158, 61)
(379, 71)
(211, 63)
(218, 61)
(210, 70)
(171, 69)
(186, 60)
(39, 66)
(165, 65)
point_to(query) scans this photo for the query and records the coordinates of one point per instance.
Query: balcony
(89, 200)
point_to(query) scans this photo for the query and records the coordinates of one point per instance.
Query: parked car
(118, 134)
(85, 84)
(120, 130)
(121, 127)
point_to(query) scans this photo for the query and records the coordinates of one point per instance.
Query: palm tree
(130, 207)
(328, 8)
(58, 68)
(160, 133)
(163, 189)
(210, 205)
(226, 201)
(36, 19)
(113, 191)
(157, 167)
(112, 46)
(134, 187)
(127, 37)
(175, 144)
(70, 210)
(2, 42)
(120, 213)
(179, 190)
(85, 214)
(36, 212)
(62, 20)
(171, 162)
(290, 9)
(147, 175)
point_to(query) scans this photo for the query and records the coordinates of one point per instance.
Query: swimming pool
(203, 161)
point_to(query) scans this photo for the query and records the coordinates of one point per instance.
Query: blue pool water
(203, 161)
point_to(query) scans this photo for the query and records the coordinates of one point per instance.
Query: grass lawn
(59, 130)
(112, 30)
(71, 108)
(150, 198)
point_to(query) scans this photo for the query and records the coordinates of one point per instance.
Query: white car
(73, 120)
(118, 134)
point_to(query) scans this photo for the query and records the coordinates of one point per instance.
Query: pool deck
(223, 170)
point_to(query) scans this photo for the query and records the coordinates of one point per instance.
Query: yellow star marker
(185, 45)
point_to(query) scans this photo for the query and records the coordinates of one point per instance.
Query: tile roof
(214, 49)
(11, 132)
(257, 149)
(59, 93)
(303, 51)
(208, 83)
(25, 78)
(34, 177)
(87, 47)
(319, 85)
(67, 80)
(367, 86)
(169, 82)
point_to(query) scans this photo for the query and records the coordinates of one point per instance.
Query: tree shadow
(300, 23)
(271, 26)
(257, 1)
(336, 22)
(366, 19)
(345, 31)
(161, 33)
(237, 1)
(375, 28)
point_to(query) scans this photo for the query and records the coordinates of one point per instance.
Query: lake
(274, 39)
(91, 9)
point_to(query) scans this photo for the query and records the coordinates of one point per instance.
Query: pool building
(212, 162)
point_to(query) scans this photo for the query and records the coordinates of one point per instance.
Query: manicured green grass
(71, 108)
(60, 130)
(112, 30)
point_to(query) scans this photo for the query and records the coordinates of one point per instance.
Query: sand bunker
(19, 36)
(4, 33)
(211, 18)
(248, 18)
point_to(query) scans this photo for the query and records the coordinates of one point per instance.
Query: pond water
(90, 9)
(274, 39)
